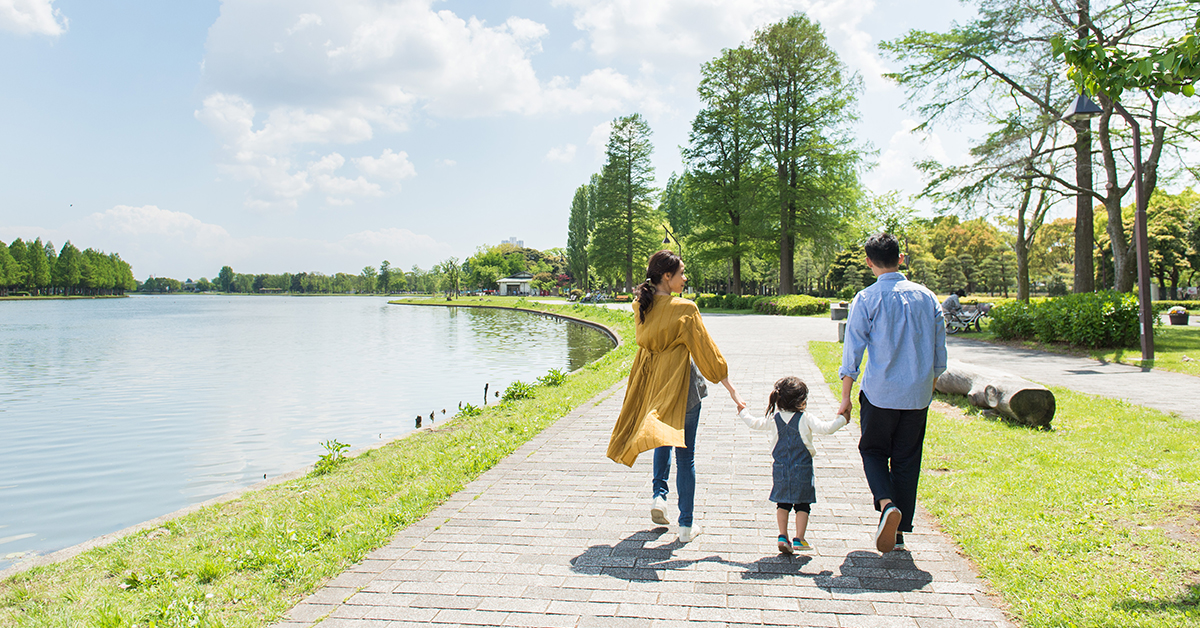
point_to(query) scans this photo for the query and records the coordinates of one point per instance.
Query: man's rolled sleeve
(855, 341)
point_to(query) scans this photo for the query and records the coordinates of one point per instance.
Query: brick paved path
(558, 535)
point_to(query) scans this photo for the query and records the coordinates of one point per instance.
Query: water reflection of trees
(520, 331)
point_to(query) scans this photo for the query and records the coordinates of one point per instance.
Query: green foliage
(555, 377)
(1091, 320)
(469, 410)
(333, 458)
(1012, 320)
(517, 390)
(727, 301)
(792, 305)
(626, 228)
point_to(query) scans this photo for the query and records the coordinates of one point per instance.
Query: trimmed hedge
(1091, 319)
(792, 305)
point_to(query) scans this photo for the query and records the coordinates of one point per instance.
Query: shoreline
(174, 541)
(612, 335)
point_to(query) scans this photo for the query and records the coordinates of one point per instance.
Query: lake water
(117, 411)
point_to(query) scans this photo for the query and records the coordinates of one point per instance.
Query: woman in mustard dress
(666, 382)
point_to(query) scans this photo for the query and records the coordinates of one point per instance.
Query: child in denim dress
(791, 447)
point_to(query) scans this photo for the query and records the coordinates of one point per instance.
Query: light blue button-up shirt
(899, 324)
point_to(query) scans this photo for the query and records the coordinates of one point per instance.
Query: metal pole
(1139, 234)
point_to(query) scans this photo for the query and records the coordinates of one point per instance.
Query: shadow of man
(867, 571)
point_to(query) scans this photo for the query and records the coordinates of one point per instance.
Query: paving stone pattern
(558, 535)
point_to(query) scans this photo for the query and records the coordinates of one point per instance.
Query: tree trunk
(1010, 396)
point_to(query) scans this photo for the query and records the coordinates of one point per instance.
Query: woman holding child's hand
(666, 383)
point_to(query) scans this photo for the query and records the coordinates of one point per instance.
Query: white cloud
(304, 21)
(598, 139)
(445, 162)
(895, 170)
(176, 244)
(32, 17)
(564, 154)
(391, 166)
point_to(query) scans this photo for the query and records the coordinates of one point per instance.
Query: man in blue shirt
(900, 326)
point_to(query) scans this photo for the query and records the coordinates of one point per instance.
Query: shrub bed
(1091, 319)
(792, 305)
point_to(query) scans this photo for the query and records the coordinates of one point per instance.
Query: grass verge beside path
(1092, 523)
(247, 561)
(1171, 345)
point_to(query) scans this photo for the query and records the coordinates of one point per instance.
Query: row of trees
(384, 279)
(772, 171)
(771, 196)
(35, 268)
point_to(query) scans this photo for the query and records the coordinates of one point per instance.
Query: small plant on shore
(469, 410)
(336, 455)
(518, 390)
(554, 378)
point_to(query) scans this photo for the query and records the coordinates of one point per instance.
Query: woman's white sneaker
(658, 511)
(687, 533)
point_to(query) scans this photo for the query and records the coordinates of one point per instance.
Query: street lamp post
(671, 236)
(1079, 115)
(1139, 235)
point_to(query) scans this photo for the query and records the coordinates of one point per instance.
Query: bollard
(418, 420)
(841, 331)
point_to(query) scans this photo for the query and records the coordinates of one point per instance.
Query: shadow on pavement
(868, 571)
(630, 559)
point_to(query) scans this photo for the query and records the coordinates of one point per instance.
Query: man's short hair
(883, 249)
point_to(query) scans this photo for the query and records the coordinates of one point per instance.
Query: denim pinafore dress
(792, 471)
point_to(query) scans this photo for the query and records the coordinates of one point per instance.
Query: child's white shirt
(808, 426)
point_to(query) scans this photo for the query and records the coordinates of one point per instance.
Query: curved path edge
(605, 329)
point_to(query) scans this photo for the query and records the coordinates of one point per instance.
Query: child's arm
(825, 426)
(756, 422)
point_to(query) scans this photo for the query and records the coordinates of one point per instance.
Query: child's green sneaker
(784, 546)
(801, 545)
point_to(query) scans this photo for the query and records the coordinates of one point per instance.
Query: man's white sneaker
(687, 533)
(658, 511)
(885, 534)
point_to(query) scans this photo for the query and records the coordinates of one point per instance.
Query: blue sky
(327, 135)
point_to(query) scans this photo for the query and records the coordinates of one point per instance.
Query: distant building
(520, 284)
(514, 241)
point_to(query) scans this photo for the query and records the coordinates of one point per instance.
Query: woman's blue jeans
(685, 462)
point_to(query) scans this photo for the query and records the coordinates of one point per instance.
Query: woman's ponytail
(660, 263)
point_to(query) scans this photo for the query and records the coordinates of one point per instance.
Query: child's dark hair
(790, 394)
(660, 263)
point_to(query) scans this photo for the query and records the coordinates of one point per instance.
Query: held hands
(845, 408)
(733, 394)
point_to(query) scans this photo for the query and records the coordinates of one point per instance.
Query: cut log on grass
(1013, 397)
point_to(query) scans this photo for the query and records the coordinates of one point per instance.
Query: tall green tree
(804, 102)
(20, 253)
(625, 230)
(68, 270)
(8, 269)
(225, 279)
(385, 276)
(578, 237)
(728, 190)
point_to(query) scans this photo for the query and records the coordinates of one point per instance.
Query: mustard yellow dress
(656, 394)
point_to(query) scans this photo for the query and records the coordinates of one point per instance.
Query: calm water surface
(117, 411)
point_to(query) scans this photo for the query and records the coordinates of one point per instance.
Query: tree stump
(1013, 397)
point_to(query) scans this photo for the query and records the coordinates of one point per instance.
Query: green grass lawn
(1171, 344)
(247, 561)
(1091, 523)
